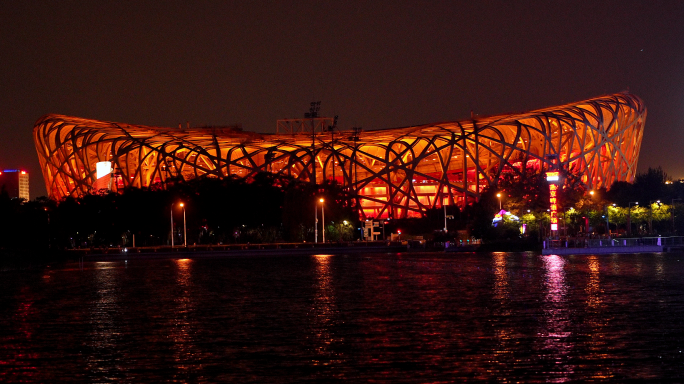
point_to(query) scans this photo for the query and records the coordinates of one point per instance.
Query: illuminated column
(323, 220)
(554, 179)
(185, 227)
(315, 222)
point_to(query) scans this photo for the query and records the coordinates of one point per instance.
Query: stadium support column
(313, 154)
(477, 159)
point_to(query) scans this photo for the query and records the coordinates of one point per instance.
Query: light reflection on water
(324, 313)
(104, 307)
(501, 289)
(556, 332)
(594, 285)
(17, 358)
(180, 325)
(389, 317)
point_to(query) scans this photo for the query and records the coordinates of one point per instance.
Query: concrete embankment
(603, 250)
(180, 252)
(584, 246)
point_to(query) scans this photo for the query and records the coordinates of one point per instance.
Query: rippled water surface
(381, 317)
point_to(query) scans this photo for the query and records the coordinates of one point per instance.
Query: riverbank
(27, 259)
(610, 246)
(205, 251)
(603, 250)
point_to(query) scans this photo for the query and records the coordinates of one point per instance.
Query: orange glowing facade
(395, 173)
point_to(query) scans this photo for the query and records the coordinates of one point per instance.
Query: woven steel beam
(396, 173)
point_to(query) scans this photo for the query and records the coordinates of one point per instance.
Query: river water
(395, 318)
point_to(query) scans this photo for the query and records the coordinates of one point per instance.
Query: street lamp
(322, 219)
(499, 196)
(185, 228)
(673, 214)
(343, 229)
(629, 216)
(592, 192)
(650, 215)
(586, 219)
(172, 244)
(608, 220)
(48, 224)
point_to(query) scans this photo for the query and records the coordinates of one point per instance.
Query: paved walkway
(603, 250)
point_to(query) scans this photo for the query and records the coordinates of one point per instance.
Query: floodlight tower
(331, 129)
(356, 131)
(313, 114)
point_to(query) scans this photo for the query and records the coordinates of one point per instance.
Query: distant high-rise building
(15, 182)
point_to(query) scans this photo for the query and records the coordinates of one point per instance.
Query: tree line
(270, 208)
(652, 205)
(265, 208)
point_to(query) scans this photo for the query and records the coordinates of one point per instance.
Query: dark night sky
(376, 64)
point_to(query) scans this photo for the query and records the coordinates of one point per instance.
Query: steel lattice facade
(396, 173)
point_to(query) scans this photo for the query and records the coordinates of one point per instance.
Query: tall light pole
(445, 227)
(345, 222)
(673, 214)
(499, 196)
(172, 244)
(322, 220)
(185, 228)
(586, 219)
(650, 215)
(316, 222)
(48, 226)
(608, 220)
(629, 216)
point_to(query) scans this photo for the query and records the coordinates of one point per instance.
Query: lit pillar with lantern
(553, 178)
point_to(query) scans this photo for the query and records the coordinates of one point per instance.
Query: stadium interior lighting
(393, 173)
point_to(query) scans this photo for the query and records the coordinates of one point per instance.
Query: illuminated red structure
(395, 173)
(553, 179)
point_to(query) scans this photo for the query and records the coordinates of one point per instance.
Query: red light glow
(553, 200)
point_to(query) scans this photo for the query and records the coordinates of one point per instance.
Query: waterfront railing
(672, 241)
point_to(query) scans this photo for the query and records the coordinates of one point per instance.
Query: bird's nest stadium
(396, 173)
